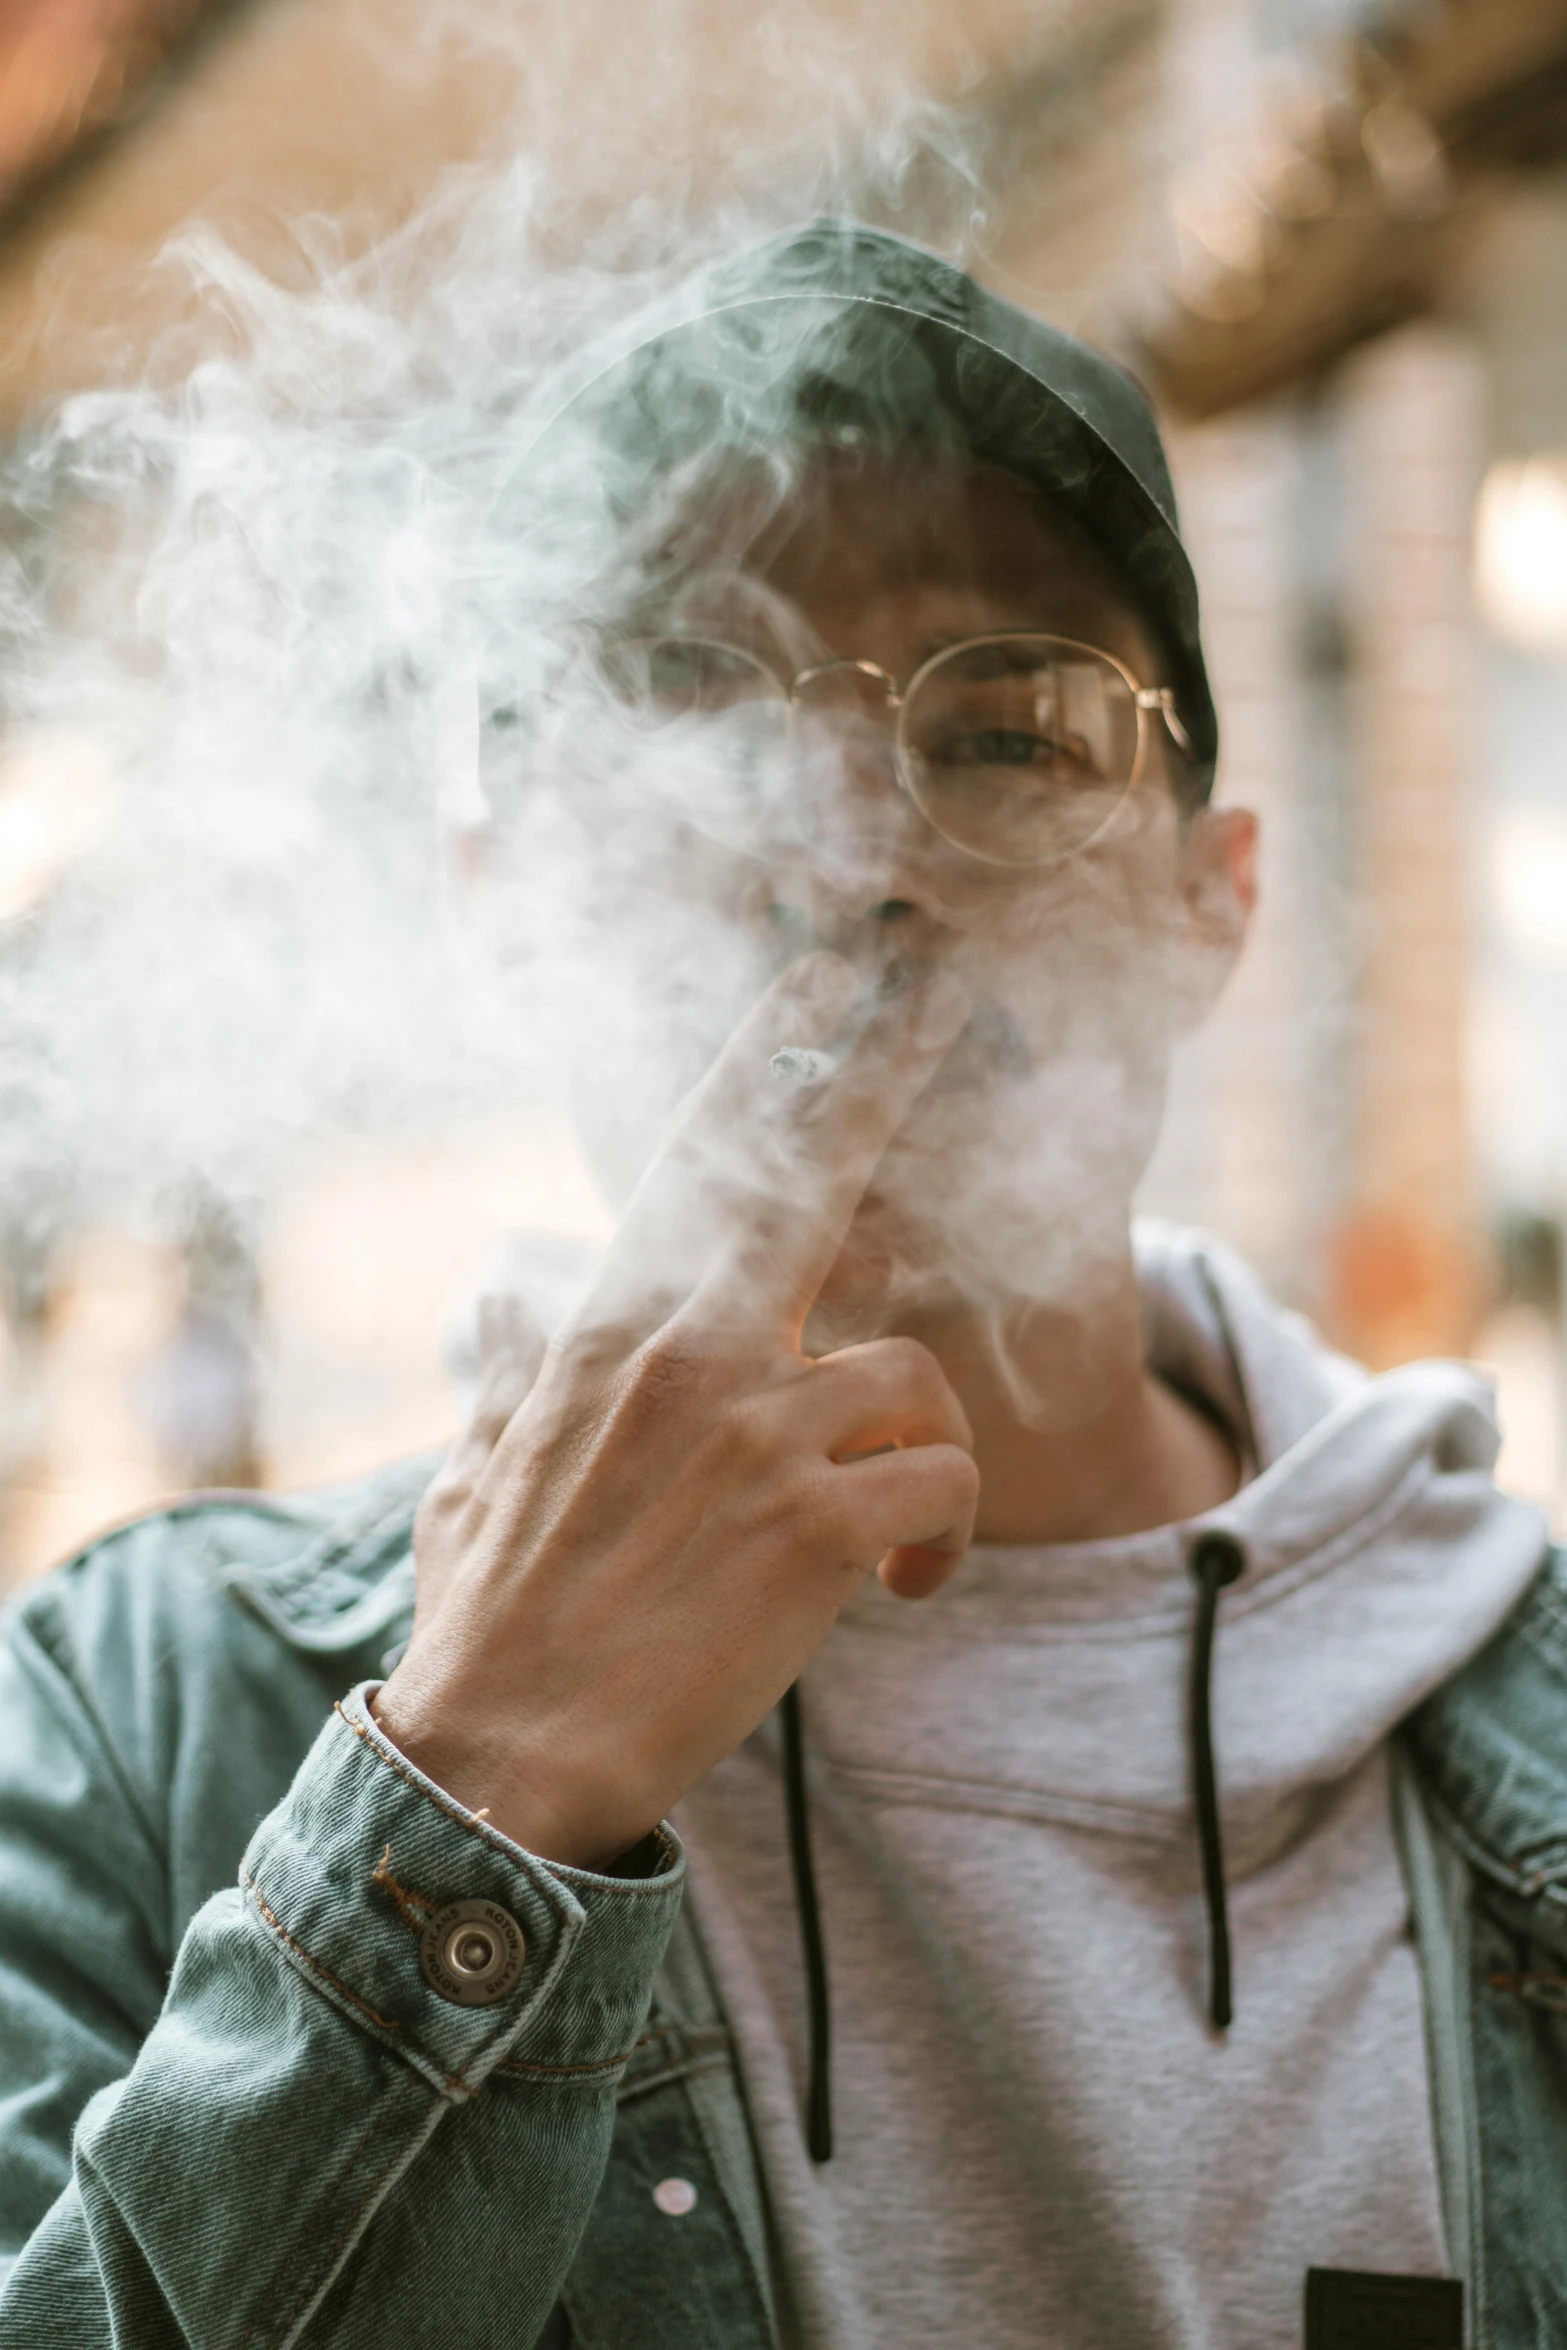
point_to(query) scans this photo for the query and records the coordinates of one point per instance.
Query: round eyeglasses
(1017, 748)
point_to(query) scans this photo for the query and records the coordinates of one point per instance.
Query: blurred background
(1334, 244)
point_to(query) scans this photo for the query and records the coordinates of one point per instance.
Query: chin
(901, 1271)
(988, 1205)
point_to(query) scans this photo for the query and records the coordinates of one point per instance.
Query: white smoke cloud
(293, 605)
(269, 607)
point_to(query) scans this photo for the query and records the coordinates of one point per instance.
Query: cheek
(1094, 961)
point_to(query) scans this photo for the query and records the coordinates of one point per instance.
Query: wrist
(548, 1813)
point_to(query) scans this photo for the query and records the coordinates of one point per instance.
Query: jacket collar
(355, 1577)
(1491, 1746)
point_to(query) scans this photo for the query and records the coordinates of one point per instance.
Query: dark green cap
(834, 329)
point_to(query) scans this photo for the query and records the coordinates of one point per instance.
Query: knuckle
(437, 1521)
(915, 1367)
(672, 1365)
(500, 1407)
(587, 1352)
(945, 1465)
(962, 1472)
(443, 1500)
(821, 1515)
(749, 1436)
(934, 1479)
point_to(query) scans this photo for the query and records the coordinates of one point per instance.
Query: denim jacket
(235, 2115)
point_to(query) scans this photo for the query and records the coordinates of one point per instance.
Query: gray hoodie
(1041, 2138)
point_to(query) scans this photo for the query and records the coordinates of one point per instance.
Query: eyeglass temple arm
(1162, 699)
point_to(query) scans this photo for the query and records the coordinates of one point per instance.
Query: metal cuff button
(472, 1952)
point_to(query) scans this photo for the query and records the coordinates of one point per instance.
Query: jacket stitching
(414, 1908)
(753, 2282)
(667, 2033)
(385, 2023)
(603, 2064)
(679, 2068)
(332, 1567)
(1536, 1987)
(466, 1821)
(318, 2216)
(350, 2227)
(1544, 1627)
(1489, 1864)
(424, 1787)
(240, 1498)
(1512, 1870)
(45, 1626)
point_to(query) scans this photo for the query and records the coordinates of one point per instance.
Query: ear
(1218, 891)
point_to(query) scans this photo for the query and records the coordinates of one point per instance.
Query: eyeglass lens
(710, 731)
(1015, 748)
(1020, 749)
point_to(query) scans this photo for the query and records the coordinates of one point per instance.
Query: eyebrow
(939, 641)
(942, 640)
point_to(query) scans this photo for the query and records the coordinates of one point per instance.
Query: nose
(850, 804)
(866, 902)
(862, 874)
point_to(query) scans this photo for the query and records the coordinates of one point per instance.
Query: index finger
(822, 1150)
(753, 1186)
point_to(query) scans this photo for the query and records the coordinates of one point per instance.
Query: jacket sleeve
(299, 2138)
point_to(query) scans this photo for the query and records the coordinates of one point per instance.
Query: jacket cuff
(352, 1876)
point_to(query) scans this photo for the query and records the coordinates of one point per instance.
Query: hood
(1379, 1553)
(1377, 1556)
(1368, 1558)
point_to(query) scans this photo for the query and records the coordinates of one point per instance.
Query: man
(1046, 1971)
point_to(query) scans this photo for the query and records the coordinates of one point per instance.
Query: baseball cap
(833, 329)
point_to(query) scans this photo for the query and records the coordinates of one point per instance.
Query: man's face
(1012, 1179)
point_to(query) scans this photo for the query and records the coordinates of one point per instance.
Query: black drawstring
(1215, 1560)
(818, 2108)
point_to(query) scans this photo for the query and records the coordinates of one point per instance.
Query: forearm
(314, 2144)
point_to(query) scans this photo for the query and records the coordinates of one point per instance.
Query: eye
(1063, 757)
(1020, 748)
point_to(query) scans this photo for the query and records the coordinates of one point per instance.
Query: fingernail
(900, 973)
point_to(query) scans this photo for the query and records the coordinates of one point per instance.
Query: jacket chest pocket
(663, 2263)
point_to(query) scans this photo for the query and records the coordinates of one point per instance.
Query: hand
(511, 1347)
(615, 1593)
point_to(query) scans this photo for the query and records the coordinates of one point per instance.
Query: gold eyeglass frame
(1145, 700)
